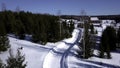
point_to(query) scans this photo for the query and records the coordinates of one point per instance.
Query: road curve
(56, 58)
(65, 54)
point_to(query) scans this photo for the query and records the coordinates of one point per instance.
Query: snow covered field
(34, 53)
(94, 62)
(59, 55)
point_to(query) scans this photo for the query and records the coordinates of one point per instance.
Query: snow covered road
(57, 56)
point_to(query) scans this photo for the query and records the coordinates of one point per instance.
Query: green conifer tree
(4, 41)
(108, 42)
(118, 37)
(16, 61)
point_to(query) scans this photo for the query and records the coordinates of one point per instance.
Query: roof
(94, 19)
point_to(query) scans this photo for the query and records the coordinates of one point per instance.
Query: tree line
(43, 27)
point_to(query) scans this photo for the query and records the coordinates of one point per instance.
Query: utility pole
(17, 9)
(83, 14)
(59, 14)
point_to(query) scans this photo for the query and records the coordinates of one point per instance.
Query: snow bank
(74, 62)
(93, 62)
(114, 61)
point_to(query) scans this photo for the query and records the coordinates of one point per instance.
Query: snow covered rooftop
(94, 18)
(108, 21)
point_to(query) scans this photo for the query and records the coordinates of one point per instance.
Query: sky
(67, 7)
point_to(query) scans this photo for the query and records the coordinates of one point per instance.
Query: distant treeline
(43, 27)
(101, 17)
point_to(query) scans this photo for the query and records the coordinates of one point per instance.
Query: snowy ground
(94, 62)
(59, 55)
(34, 53)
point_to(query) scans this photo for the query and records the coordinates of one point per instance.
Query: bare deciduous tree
(3, 8)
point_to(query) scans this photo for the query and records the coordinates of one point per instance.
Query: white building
(100, 25)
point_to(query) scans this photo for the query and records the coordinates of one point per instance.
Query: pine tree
(71, 26)
(4, 41)
(16, 61)
(20, 29)
(111, 33)
(104, 46)
(118, 37)
(108, 42)
(66, 30)
(92, 29)
(87, 43)
(92, 38)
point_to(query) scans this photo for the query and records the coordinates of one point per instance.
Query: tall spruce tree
(86, 45)
(86, 41)
(112, 38)
(92, 39)
(104, 46)
(108, 42)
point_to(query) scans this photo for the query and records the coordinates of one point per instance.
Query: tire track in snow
(58, 54)
(63, 61)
